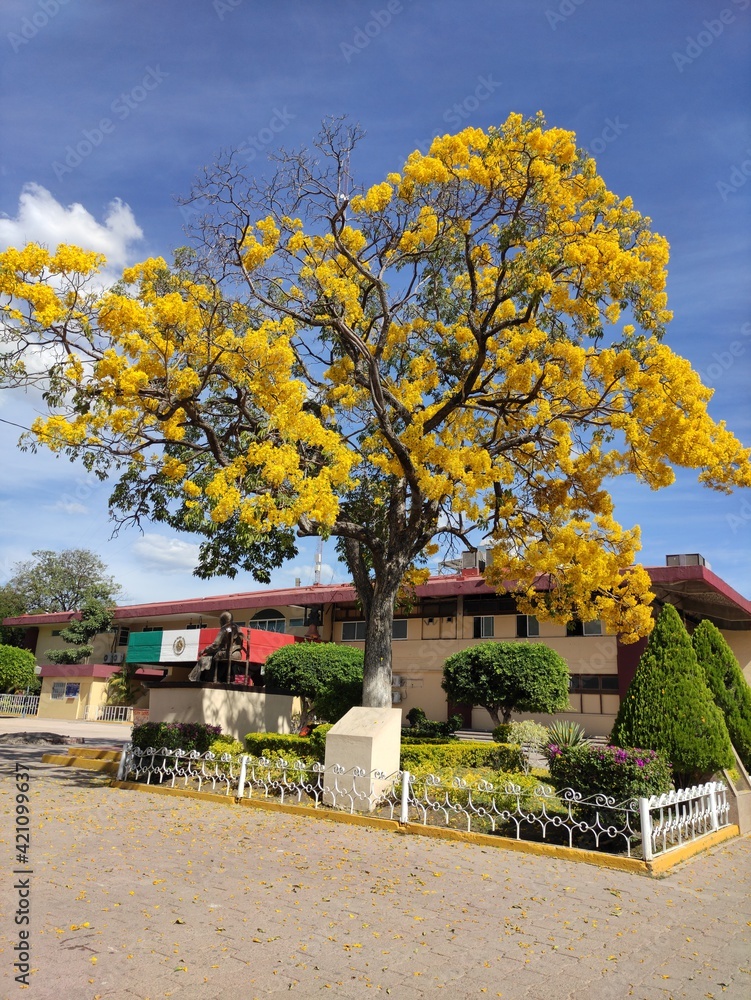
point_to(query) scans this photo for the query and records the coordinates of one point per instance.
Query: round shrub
(17, 669)
(327, 676)
(506, 677)
(526, 733)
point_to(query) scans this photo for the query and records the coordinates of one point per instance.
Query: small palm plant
(562, 736)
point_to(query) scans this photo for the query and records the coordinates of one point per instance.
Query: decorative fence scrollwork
(643, 827)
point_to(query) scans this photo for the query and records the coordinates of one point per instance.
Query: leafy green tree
(95, 617)
(474, 343)
(506, 677)
(327, 676)
(11, 605)
(729, 687)
(668, 706)
(62, 581)
(17, 669)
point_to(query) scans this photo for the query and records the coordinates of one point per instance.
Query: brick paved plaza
(141, 896)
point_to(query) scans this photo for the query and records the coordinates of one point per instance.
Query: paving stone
(272, 905)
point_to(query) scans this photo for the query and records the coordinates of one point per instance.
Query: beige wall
(237, 712)
(420, 665)
(740, 643)
(102, 644)
(594, 725)
(92, 692)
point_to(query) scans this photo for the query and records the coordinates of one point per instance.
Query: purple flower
(639, 762)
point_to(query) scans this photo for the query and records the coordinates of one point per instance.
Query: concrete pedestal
(368, 740)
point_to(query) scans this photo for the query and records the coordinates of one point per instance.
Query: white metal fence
(108, 713)
(672, 819)
(19, 704)
(644, 827)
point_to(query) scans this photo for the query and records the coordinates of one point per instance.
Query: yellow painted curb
(678, 855)
(636, 866)
(99, 753)
(530, 847)
(184, 793)
(351, 819)
(84, 763)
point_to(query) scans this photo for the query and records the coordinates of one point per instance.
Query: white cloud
(166, 555)
(69, 507)
(42, 219)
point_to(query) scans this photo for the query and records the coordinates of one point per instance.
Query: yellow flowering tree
(473, 343)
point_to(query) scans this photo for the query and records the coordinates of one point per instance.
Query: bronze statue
(222, 654)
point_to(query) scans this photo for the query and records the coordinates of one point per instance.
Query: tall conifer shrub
(669, 706)
(729, 687)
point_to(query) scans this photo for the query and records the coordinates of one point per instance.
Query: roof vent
(686, 559)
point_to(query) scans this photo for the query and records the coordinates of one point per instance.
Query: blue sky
(109, 111)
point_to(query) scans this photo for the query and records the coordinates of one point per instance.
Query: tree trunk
(376, 687)
(493, 713)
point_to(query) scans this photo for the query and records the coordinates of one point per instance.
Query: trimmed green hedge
(290, 745)
(462, 753)
(278, 745)
(175, 736)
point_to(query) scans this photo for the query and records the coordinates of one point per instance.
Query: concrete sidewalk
(110, 733)
(135, 895)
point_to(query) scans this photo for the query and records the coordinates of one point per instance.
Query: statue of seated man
(225, 651)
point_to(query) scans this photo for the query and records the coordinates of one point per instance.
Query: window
(64, 689)
(593, 628)
(297, 623)
(122, 635)
(527, 626)
(476, 606)
(355, 631)
(593, 682)
(56, 631)
(270, 620)
(584, 628)
(399, 628)
(484, 627)
(152, 628)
